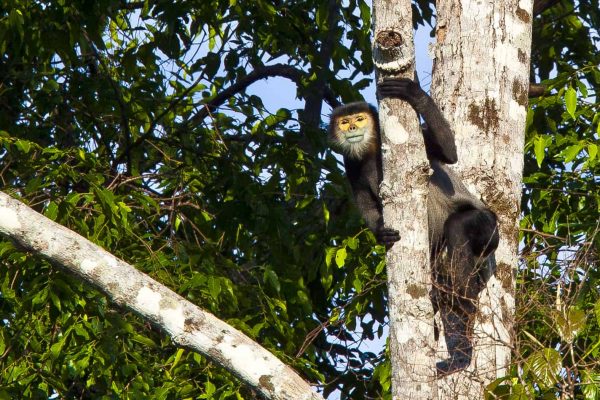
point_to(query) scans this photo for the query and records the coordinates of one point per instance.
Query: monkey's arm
(364, 183)
(438, 137)
(370, 208)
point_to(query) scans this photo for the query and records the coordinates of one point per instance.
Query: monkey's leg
(471, 235)
(483, 234)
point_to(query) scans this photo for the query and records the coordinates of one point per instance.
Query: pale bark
(404, 192)
(480, 81)
(187, 324)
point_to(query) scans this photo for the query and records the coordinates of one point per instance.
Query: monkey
(354, 130)
(459, 222)
(463, 231)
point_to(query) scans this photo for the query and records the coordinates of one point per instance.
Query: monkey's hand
(439, 138)
(401, 88)
(387, 236)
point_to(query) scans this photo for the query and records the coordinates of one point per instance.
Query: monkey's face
(354, 128)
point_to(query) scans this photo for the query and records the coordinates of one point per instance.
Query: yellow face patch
(359, 120)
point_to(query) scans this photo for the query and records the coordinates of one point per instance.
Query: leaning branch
(267, 71)
(187, 324)
(264, 72)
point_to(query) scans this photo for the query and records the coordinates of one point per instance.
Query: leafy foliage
(130, 123)
(105, 127)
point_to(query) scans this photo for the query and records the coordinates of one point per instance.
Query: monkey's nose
(352, 128)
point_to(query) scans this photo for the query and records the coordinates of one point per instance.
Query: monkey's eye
(360, 118)
(344, 124)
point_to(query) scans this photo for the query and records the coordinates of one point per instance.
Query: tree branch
(263, 72)
(536, 90)
(310, 118)
(188, 325)
(268, 71)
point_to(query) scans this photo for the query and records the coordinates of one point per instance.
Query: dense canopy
(139, 125)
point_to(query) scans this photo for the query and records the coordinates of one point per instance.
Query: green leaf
(51, 211)
(590, 384)
(143, 340)
(50, 86)
(544, 366)
(23, 145)
(40, 297)
(352, 243)
(178, 355)
(380, 266)
(271, 278)
(582, 88)
(329, 253)
(16, 20)
(539, 148)
(55, 300)
(340, 257)
(571, 152)
(56, 348)
(214, 287)
(33, 185)
(210, 388)
(365, 12)
(592, 150)
(325, 214)
(357, 283)
(571, 101)
(570, 323)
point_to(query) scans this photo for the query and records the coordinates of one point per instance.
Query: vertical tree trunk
(480, 81)
(404, 191)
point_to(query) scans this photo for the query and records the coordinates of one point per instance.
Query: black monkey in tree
(459, 223)
(354, 130)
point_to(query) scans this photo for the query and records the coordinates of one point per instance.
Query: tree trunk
(480, 81)
(188, 325)
(404, 192)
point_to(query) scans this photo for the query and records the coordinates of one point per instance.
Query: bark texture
(480, 81)
(404, 193)
(188, 325)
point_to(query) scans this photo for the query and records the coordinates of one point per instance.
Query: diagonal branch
(264, 72)
(267, 71)
(188, 325)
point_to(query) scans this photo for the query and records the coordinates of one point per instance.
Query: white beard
(358, 144)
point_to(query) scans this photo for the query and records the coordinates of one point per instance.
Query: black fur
(458, 221)
(365, 173)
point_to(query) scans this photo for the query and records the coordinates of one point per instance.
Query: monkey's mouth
(354, 138)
